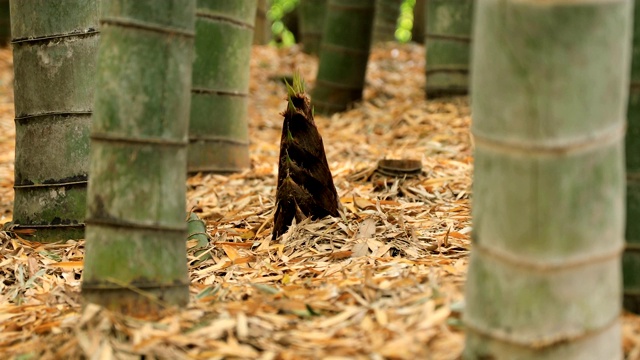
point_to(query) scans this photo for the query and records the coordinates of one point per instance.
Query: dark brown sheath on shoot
(305, 186)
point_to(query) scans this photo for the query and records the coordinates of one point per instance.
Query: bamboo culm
(135, 259)
(55, 47)
(544, 279)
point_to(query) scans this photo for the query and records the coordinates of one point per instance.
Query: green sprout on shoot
(290, 106)
(289, 135)
(298, 85)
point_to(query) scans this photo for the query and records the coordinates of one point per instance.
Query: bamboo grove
(118, 101)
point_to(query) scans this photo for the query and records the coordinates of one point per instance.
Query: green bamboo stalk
(385, 20)
(219, 130)
(447, 42)
(418, 30)
(631, 259)
(550, 89)
(135, 258)
(344, 54)
(54, 53)
(312, 15)
(262, 31)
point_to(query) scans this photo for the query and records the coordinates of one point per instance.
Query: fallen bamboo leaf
(231, 252)
(341, 254)
(340, 318)
(363, 204)
(266, 289)
(367, 229)
(69, 265)
(445, 239)
(235, 244)
(360, 249)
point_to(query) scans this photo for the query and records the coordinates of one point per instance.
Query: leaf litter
(384, 280)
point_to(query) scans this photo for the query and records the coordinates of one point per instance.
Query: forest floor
(383, 281)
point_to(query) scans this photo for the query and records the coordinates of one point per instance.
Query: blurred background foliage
(282, 35)
(284, 22)
(405, 21)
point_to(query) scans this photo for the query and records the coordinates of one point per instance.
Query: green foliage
(279, 8)
(405, 22)
(291, 108)
(295, 90)
(298, 85)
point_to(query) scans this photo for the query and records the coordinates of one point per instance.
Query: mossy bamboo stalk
(343, 55)
(219, 130)
(135, 258)
(54, 53)
(447, 41)
(550, 86)
(385, 20)
(312, 15)
(631, 259)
